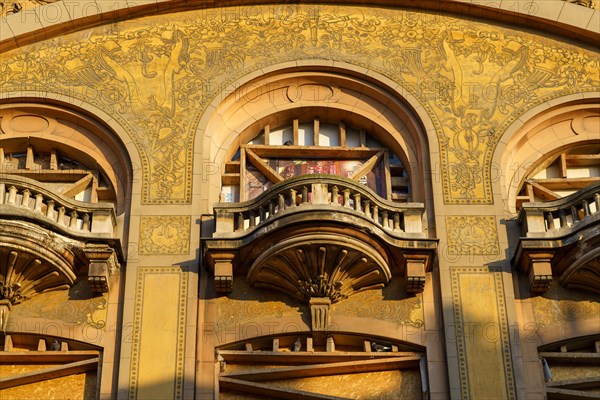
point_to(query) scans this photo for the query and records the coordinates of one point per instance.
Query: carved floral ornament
(472, 79)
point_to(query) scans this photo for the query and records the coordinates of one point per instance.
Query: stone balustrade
(318, 192)
(18, 194)
(558, 217)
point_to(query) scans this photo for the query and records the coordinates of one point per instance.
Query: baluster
(367, 208)
(281, 205)
(334, 195)
(73, 219)
(3, 193)
(396, 221)
(61, 215)
(25, 198)
(575, 214)
(304, 194)
(384, 219)
(292, 198)
(562, 217)
(39, 201)
(586, 207)
(12, 195)
(376, 213)
(252, 217)
(240, 221)
(549, 220)
(357, 202)
(86, 222)
(347, 198)
(262, 213)
(50, 209)
(271, 208)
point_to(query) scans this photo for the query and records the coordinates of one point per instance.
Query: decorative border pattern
(137, 329)
(472, 235)
(503, 325)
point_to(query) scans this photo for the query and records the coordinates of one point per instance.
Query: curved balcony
(561, 238)
(26, 198)
(320, 238)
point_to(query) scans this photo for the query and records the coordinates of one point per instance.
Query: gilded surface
(472, 235)
(76, 306)
(390, 304)
(482, 336)
(559, 305)
(8, 7)
(164, 235)
(79, 386)
(157, 75)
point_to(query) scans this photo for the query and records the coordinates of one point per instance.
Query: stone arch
(540, 133)
(363, 97)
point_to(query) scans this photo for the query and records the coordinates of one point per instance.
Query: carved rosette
(320, 265)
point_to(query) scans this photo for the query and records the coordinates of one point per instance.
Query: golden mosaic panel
(472, 235)
(158, 338)
(474, 79)
(482, 333)
(165, 235)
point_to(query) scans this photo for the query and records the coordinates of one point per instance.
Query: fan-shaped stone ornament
(320, 266)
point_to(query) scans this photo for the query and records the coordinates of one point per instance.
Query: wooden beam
(271, 391)
(583, 383)
(544, 164)
(295, 132)
(41, 357)
(388, 175)
(316, 130)
(267, 131)
(263, 167)
(566, 184)
(583, 160)
(342, 134)
(366, 167)
(581, 358)
(562, 165)
(78, 186)
(243, 174)
(49, 373)
(338, 368)
(339, 153)
(319, 357)
(568, 394)
(542, 191)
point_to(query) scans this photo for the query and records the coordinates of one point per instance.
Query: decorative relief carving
(472, 78)
(472, 235)
(8, 7)
(559, 305)
(595, 4)
(320, 265)
(165, 235)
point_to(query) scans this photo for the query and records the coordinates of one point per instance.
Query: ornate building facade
(263, 199)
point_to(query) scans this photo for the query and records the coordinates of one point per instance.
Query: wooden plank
(49, 373)
(316, 130)
(583, 160)
(366, 167)
(388, 175)
(230, 179)
(562, 165)
(240, 356)
(232, 167)
(583, 383)
(243, 174)
(568, 394)
(78, 186)
(295, 152)
(271, 391)
(40, 357)
(583, 358)
(566, 184)
(542, 191)
(338, 368)
(267, 132)
(68, 175)
(342, 134)
(269, 172)
(295, 132)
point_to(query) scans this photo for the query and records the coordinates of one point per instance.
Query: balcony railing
(23, 196)
(560, 217)
(314, 193)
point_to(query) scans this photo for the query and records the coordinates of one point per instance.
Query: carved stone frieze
(320, 265)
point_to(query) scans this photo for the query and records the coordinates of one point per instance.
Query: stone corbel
(102, 263)
(540, 272)
(221, 264)
(415, 273)
(319, 313)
